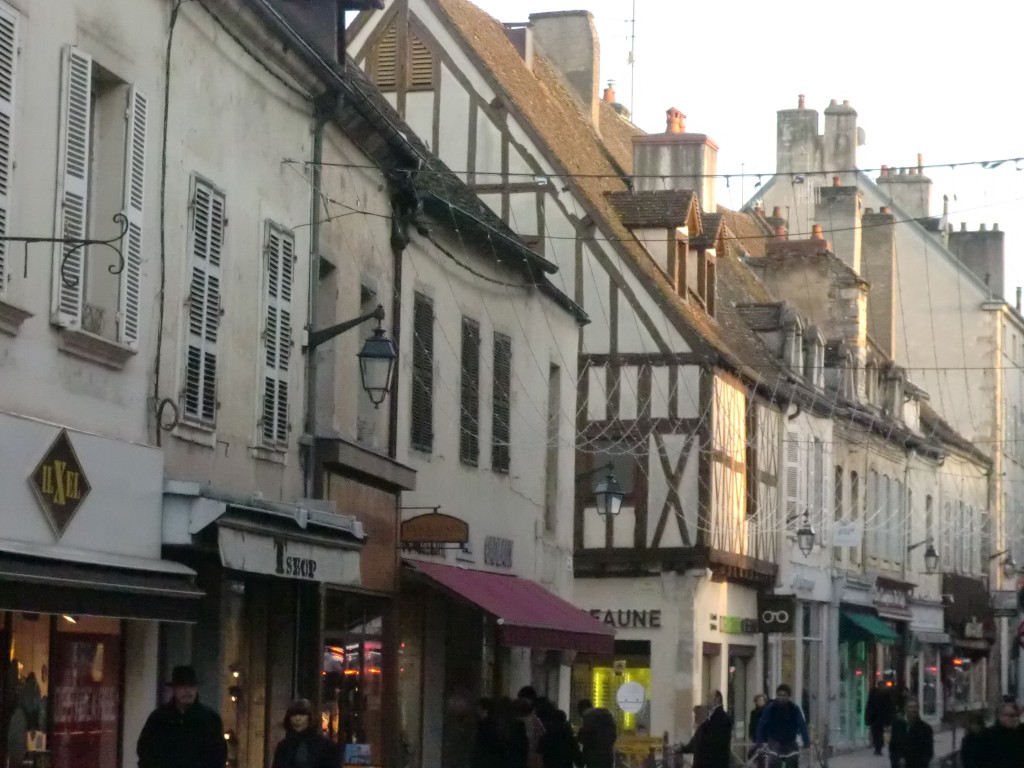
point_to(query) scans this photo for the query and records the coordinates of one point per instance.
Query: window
(279, 261)
(8, 60)
(469, 433)
(929, 518)
(383, 63)
(423, 373)
(871, 517)
(837, 507)
(205, 243)
(501, 413)
(818, 489)
(795, 491)
(752, 458)
(676, 271)
(553, 446)
(102, 174)
(855, 513)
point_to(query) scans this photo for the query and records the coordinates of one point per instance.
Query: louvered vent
(385, 60)
(421, 65)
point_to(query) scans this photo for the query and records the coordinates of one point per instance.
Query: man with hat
(183, 733)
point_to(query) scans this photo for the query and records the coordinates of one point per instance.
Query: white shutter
(134, 182)
(279, 256)
(69, 272)
(8, 59)
(205, 244)
(794, 482)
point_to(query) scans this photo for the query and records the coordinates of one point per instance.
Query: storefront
(82, 594)
(970, 624)
(466, 634)
(929, 644)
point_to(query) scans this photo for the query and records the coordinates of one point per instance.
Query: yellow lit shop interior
(598, 677)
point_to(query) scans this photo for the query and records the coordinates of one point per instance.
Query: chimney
(677, 160)
(983, 253)
(910, 191)
(609, 93)
(878, 267)
(321, 23)
(798, 145)
(838, 212)
(816, 232)
(520, 34)
(841, 137)
(1018, 298)
(569, 40)
(780, 234)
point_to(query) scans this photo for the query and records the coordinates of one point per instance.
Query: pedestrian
(878, 715)
(1003, 742)
(760, 702)
(303, 746)
(183, 733)
(781, 723)
(597, 736)
(558, 743)
(501, 737)
(972, 747)
(526, 704)
(912, 744)
(710, 743)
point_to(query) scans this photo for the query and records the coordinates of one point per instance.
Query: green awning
(865, 627)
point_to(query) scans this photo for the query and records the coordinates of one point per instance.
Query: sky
(943, 82)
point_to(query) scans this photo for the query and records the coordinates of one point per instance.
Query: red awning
(528, 615)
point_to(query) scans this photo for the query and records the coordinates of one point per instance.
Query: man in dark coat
(1003, 743)
(183, 733)
(878, 715)
(710, 743)
(912, 744)
(597, 736)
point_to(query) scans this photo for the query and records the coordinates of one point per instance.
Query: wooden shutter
(421, 65)
(134, 185)
(73, 212)
(279, 256)
(385, 60)
(794, 482)
(422, 425)
(205, 245)
(8, 60)
(501, 403)
(469, 440)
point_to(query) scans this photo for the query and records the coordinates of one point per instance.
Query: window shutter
(421, 65)
(385, 63)
(205, 246)
(73, 212)
(277, 334)
(134, 184)
(469, 441)
(422, 425)
(794, 484)
(501, 403)
(8, 59)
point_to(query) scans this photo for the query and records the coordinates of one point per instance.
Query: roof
(937, 428)
(711, 231)
(762, 317)
(749, 232)
(661, 208)
(617, 136)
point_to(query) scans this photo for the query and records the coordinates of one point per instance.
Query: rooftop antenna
(632, 62)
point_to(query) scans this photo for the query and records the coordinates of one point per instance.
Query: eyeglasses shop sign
(776, 613)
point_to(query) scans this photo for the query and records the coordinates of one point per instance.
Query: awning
(926, 637)
(865, 627)
(113, 586)
(527, 614)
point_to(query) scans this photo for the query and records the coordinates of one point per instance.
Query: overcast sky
(943, 81)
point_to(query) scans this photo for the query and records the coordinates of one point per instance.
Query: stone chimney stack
(841, 139)
(569, 40)
(677, 160)
(521, 36)
(798, 146)
(878, 264)
(983, 252)
(908, 188)
(838, 212)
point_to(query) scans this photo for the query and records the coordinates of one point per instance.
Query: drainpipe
(322, 109)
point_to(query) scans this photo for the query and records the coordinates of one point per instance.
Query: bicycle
(765, 757)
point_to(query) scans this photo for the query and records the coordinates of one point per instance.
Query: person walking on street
(878, 715)
(303, 746)
(558, 743)
(596, 737)
(760, 702)
(1003, 743)
(972, 748)
(912, 744)
(526, 710)
(781, 723)
(710, 743)
(182, 733)
(501, 737)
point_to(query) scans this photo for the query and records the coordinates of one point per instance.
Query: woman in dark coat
(302, 746)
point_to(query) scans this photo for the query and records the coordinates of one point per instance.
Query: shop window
(352, 675)
(60, 691)
(598, 677)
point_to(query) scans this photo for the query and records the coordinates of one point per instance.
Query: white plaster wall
(453, 146)
(522, 212)
(419, 109)
(141, 689)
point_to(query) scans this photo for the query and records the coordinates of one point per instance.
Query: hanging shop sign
(59, 483)
(631, 698)
(847, 533)
(434, 528)
(628, 619)
(497, 552)
(776, 613)
(287, 558)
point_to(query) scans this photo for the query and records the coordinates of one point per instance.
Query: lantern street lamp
(1010, 568)
(608, 494)
(805, 536)
(376, 359)
(931, 556)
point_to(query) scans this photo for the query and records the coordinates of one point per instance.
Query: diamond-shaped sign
(60, 483)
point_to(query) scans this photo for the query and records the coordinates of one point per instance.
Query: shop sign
(60, 483)
(776, 613)
(1004, 602)
(497, 552)
(628, 619)
(891, 598)
(287, 558)
(846, 533)
(631, 698)
(434, 528)
(974, 630)
(735, 625)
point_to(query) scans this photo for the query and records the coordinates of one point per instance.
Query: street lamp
(931, 556)
(376, 359)
(805, 536)
(608, 494)
(1009, 564)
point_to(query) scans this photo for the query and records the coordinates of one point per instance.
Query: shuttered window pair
(279, 259)
(384, 63)
(74, 212)
(469, 440)
(8, 62)
(501, 403)
(422, 421)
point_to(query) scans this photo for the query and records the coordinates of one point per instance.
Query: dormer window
(793, 347)
(871, 384)
(701, 277)
(893, 393)
(814, 358)
(677, 259)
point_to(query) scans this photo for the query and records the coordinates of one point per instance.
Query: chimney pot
(777, 212)
(800, 101)
(885, 170)
(817, 233)
(836, 182)
(995, 227)
(846, 102)
(675, 121)
(920, 162)
(833, 103)
(609, 92)
(913, 171)
(1018, 297)
(963, 226)
(982, 227)
(885, 209)
(869, 210)
(780, 232)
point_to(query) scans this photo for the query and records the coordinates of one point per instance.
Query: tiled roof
(935, 427)
(710, 231)
(761, 317)
(617, 135)
(749, 232)
(662, 208)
